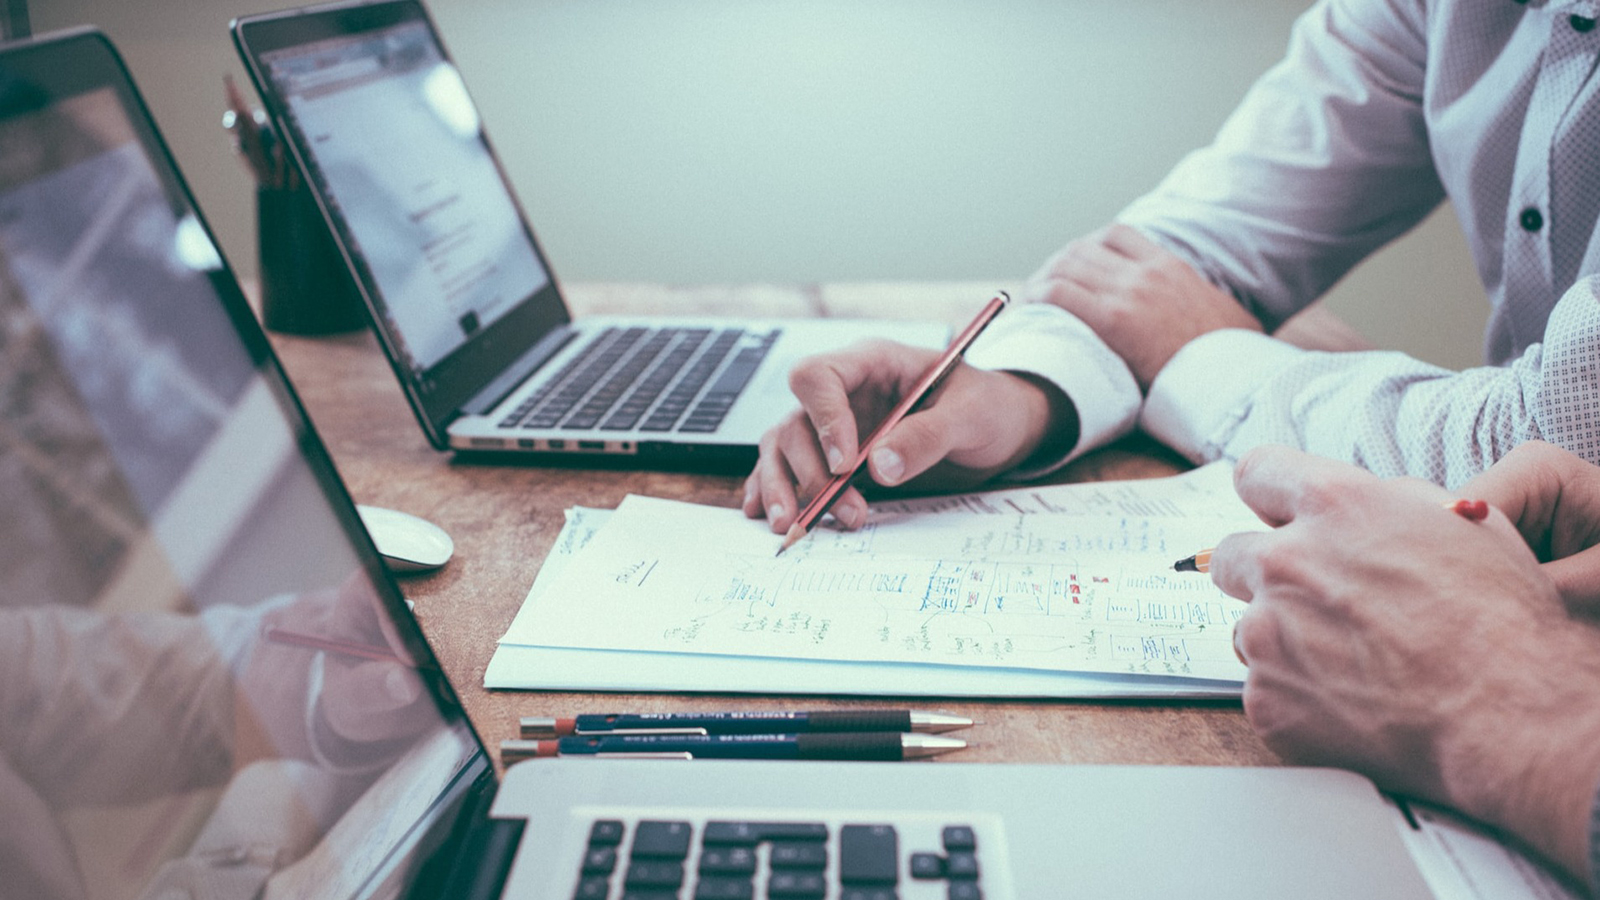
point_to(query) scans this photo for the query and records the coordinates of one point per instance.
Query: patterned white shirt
(1380, 110)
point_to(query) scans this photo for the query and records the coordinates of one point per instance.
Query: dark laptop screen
(209, 688)
(398, 148)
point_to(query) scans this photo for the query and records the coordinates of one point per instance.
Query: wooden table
(504, 519)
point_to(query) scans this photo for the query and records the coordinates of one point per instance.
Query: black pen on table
(817, 721)
(943, 366)
(870, 746)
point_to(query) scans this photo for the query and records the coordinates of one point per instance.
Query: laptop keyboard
(660, 859)
(652, 379)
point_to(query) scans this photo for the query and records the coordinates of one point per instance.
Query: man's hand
(1553, 497)
(1388, 635)
(1143, 301)
(365, 707)
(976, 424)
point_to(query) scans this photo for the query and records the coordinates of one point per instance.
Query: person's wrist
(1051, 426)
(1526, 758)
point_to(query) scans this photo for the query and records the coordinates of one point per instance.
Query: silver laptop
(459, 290)
(213, 689)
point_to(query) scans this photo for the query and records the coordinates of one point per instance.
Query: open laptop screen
(398, 149)
(384, 128)
(209, 688)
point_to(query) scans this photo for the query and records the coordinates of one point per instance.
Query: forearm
(1325, 160)
(1229, 391)
(1528, 758)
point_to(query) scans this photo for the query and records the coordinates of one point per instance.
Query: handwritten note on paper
(1073, 582)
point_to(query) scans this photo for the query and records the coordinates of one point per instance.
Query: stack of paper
(1064, 591)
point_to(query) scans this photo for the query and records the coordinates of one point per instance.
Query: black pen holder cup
(305, 286)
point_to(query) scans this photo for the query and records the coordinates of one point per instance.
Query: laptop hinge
(517, 372)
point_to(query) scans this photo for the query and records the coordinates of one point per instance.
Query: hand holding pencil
(970, 426)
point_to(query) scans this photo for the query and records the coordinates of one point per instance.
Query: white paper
(1069, 578)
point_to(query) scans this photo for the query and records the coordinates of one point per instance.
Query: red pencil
(943, 366)
(331, 645)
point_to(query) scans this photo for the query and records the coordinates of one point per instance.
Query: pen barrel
(885, 720)
(750, 722)
(847, 745)
(834, 746)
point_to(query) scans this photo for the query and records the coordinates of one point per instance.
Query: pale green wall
(725, 141)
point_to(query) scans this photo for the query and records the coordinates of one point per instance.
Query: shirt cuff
(1049, 343)
(1202, 394)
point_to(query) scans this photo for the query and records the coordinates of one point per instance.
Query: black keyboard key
(649, 894)
(868, 854)
(592, 889)
(599, 860)
(964, 890)
(748, 834)
(799, 855)
(796, 886)
(605, 832)
(663, 840)
(727, 861)
(927, 866)
(961, 866)
(869, 893)
(724, 889)
(959, 837)
(647, 874)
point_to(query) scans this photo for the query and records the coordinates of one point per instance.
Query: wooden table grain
(505, 518)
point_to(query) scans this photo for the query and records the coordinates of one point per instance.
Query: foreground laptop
(460, 293)
(213, 689)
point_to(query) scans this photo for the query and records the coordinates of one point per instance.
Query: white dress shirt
(1380, 110)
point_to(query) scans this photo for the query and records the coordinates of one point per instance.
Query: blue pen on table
(759, 722)
(872, 746)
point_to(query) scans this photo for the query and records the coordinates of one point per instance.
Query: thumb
(915, 445)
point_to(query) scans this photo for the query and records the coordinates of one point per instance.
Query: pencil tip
(795, 533)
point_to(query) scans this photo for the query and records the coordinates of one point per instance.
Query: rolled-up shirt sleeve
(1326, 159)
(1228, 391)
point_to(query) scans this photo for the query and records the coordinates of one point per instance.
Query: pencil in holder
(305, 286)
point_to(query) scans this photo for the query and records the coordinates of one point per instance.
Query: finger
(1577, 579)
(363, 702)
(1253, 635)
(751, 504)
(1429, 494)
(1131, 243)
(1547, 492)
(850, 509)
(919, 441)
(1236, 563)
(809, 472)
(1279, 482)
(1522, 485)
(1246, 634)
(775, 484)
(1091, 266)
(358, 614)
(1045, 271)
(824, 384)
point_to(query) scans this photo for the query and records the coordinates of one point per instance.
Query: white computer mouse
(407, 543)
